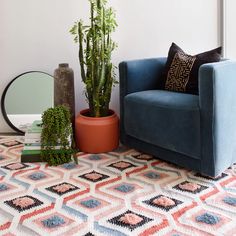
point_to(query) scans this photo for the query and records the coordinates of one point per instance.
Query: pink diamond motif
(15, 166)
(121, 164)
(63, 188)
(164, 201)
(11, 143)
(131, 219)
(93, 176)
(189, 186)
(23, 202)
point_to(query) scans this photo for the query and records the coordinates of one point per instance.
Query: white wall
(230, 29)
(34, 34)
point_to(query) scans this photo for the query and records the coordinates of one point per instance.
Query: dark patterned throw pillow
(181, 70)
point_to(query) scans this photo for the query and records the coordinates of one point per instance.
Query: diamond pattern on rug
(62, 188)
(95, 157)
(190, 187)
(91, 203)
(224, 201)
(69, 166)
(3, 187)
(229, 200)
(122, 165)
(154, 176)
(12, 143)
(36, 177)
(124, 188)
(141, 156)
(163, 202)
(53, 222)
(23, 203)
(15, 166)
(94, 176)
(204, 219)
(124, 192)
(130, 220)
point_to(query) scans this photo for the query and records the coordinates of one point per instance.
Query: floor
(119, 193)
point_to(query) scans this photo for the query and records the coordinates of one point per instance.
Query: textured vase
(64, 93)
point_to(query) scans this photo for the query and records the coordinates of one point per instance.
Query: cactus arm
(81, 51)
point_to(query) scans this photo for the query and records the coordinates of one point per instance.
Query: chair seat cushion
(167, 119)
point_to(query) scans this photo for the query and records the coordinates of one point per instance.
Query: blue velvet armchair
(194, 131)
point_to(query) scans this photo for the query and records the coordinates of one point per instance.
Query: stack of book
(32, 144)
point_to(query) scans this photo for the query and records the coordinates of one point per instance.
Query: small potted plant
(56, 137)
(97, 127)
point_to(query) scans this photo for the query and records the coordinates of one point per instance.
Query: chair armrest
(217, 94)
(140, 75)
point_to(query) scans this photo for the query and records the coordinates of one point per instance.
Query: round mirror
(26, 97)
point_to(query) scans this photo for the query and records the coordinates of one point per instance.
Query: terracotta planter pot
(97, 135)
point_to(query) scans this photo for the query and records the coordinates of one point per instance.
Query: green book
(31, 152)
(36, 152)
(31, 158)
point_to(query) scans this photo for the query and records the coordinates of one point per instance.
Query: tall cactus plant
(95, 50)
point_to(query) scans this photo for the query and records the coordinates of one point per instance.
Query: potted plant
(56, 137)
(97, 127)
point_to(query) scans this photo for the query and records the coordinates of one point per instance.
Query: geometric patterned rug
(121, 193)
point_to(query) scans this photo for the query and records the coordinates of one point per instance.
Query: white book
(33, 136)
(38, 147)
(32, 144)
(32, 141)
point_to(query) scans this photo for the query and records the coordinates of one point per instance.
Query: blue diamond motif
(3, 187)
(230, 201)
(69, 166)
(37, 176)
(53, 222)
(208, 219)
(125, 188)
(92, 203)
(152, 175)
(95, 158)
